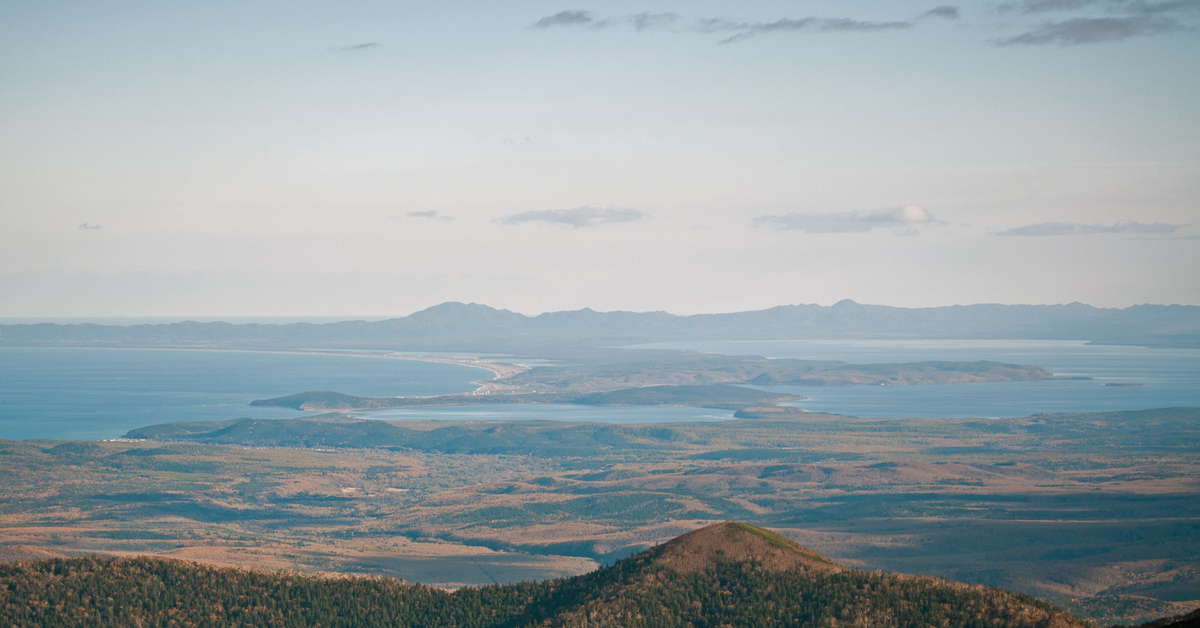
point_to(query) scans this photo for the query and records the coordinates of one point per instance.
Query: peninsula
(681, 378)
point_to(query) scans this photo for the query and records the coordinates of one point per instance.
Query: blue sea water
(1166, 377)
(93, 394)
(554, 412)
(66, 393)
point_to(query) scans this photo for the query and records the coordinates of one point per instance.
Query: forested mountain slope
(724, 574)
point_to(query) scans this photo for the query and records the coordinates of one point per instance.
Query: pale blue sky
(306, 158)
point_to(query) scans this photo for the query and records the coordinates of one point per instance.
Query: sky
(377, 158)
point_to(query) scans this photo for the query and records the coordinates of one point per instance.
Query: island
(682, 378)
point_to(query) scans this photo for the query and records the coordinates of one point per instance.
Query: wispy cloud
(644, 21)
(647, 21)
(1093, 22)
(1075, 228)
(87, 226)
(566, 18)
(1085, 30)
(736, 29)
(1044, 6)
(428, 215)
(1100, 21)
(1171, 6)
(586, 216)
(745, 30)
(1135, 7)
(904, 220)
(945, 11)
(357, 47)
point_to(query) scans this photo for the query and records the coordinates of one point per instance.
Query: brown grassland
(1097, 512)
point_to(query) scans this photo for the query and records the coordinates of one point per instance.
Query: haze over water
(103, 393)
(1165, 377)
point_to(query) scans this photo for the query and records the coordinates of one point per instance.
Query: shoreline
(498, 369)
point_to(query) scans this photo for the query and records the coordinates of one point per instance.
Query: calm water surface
(1166, 377)
(554, 412)
(103, 393)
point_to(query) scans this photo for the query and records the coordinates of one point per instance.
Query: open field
(1103, 509)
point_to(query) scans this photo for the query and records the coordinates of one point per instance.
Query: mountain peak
(456, 307)
(456, 312)
(738, 542)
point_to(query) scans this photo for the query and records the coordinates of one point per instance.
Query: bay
(1163, 377)
(91, 394)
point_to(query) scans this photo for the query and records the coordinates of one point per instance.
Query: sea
(94, 393)
(1112, 377)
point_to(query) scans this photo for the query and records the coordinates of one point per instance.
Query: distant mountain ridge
(457, 326)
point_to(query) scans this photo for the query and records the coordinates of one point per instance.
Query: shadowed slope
(729, 574)
(737, 574)
(1190, 620)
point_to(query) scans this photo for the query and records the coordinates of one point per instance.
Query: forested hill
(726, 574)
(473, 327)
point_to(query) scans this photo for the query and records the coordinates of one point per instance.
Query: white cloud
(586, 216)
(428, 214)
(902, 219)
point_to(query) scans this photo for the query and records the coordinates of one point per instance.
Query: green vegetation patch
(623, 506)
(778, 540)
(634, 592)
(773, 538)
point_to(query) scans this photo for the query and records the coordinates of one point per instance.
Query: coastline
(499, 370)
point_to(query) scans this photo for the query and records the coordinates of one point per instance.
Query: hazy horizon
(333, 318)
(268, 159)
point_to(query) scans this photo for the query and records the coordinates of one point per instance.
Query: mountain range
(473, 327)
